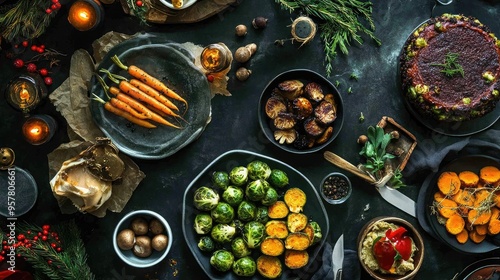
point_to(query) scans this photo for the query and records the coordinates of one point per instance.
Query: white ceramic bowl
(187, 3)
(128, 256)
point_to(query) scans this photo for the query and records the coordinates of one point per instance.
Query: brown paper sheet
(122, 189)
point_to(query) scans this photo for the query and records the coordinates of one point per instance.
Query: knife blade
(338, 258)
(390, 195)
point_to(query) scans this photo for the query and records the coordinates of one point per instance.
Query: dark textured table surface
(234, 125)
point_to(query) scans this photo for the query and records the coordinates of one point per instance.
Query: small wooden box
(403, 146)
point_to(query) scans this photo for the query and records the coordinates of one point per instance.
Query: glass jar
(216, 57)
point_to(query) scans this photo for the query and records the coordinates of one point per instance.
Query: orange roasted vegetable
(447, 207)
(272, 246)
(296, 259)
(269, 267)
(295, 198)
(278, 210)
(468, 179)
(448, 183)
(455, 224)
(489, 174)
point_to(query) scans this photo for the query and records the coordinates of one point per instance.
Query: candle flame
(24, 94)
(35, 131)
(84, 15)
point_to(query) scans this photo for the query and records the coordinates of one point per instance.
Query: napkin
(428, 156)
(351, 268)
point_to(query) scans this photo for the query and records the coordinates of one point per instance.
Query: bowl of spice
(335, 188)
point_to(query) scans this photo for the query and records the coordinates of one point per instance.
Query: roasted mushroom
(285, 136)
(291, 89)
(330, 98)
(284, 121)
(325, 112)
(142, 247)
(314, 91)
(274, 106)
(312, 127)
(303, 142)
(302, 107)
(325, 136)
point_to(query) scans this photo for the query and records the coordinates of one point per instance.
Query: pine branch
(27, 19)
(341, 23)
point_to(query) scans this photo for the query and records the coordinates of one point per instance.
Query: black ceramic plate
(482, 269)
(305, 76)
(314, 207)
(24, 192)
(472, 163)
(462, 128)
(176, 69)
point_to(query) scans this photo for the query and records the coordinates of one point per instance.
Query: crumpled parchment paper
(122, 189)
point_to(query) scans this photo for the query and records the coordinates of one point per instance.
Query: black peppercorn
(335, 187)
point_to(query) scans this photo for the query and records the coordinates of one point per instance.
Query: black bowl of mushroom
(142, 238)
(300, 111)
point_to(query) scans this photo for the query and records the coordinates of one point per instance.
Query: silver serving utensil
(338, 258)
(391, 195)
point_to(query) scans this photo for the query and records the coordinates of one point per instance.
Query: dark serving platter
(483, 269)
(173, 65)
(450, 128)
(429, 221)
(314, 208)
(305, 76)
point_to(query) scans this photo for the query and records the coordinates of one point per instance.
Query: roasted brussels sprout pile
(302, 114)
(251, 221)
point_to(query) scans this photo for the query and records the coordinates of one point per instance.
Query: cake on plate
(450, 68)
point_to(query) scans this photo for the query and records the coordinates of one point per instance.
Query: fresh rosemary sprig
(341, 22)
(450, 66)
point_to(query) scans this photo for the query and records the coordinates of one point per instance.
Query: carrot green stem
(98, 99)
(103, 84)
(113, 77)
(118, 63)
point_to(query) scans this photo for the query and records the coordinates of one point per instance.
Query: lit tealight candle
(216, 57)
(85, 14)
(24, 93)
(39, 129)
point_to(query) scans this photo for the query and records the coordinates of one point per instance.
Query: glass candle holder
(216, 57)
(25, 92)
(39, 129)
(85, 15)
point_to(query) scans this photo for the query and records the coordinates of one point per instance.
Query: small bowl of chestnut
(335, 188)
(142, 238)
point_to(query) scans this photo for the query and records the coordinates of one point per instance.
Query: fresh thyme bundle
(341, 23)
(55, 252)
(27, 19)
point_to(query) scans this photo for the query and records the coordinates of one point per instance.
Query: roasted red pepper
(394, 245)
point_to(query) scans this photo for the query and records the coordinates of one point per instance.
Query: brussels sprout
(205, 198)
(253, 234)
(233, 195)
(238, 225)
(206, 244)
(261, 215)
(222, 260)
(246, 211)
(238, 175)
(317, 231)
(245, 266)
(256, 190)
(278, 178)
(258, 170)
(240, 248)
(270, 198)
(202, 223)
(222, 213)
(220, 179)
(223, 233)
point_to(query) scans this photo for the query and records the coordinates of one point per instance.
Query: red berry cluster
(54, 7)
(31, 67)
(29, 238)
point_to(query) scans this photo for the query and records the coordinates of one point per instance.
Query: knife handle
(339, 274)
(344, 164)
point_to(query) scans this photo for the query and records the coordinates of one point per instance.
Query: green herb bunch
(374, 151)
(450, 67)
(342, 21)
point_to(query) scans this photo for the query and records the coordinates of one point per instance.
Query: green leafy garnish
(450, 66)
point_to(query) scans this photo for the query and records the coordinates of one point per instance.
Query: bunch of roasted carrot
(141, 100)
(468, 203)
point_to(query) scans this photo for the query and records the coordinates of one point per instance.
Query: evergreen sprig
(341, 23)
(27, 19)
(450, 67)
(70, 264)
